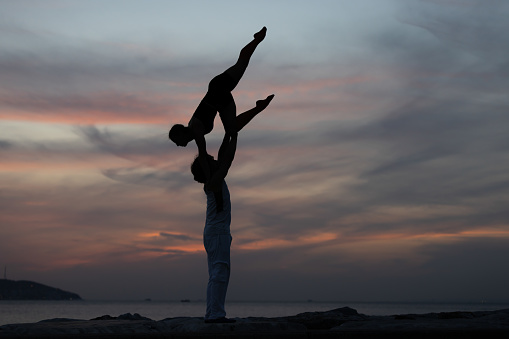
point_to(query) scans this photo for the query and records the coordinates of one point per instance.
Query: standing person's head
(179, 135)
(197, 169)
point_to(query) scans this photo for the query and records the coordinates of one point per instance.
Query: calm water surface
(32, 311)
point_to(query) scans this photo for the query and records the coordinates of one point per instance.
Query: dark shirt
(206, 113)
(217, 98)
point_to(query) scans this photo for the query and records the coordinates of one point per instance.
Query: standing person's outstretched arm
(225, 159)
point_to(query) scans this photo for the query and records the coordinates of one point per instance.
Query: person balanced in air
(219, 99)
(216, 235)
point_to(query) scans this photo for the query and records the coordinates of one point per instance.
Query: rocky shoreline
(339, 323)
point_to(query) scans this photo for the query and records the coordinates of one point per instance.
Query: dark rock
(59, 320)
(197, 325)
(129, 316)
(455, 315)
(104, 317)
(325, 320)
(345, 322)
(404, 317)
(126, 316)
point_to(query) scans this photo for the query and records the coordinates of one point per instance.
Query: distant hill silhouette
(29, 290)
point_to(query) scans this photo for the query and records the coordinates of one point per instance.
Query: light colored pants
(218, 259)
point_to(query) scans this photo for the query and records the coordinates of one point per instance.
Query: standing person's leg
(219, 284)
(208, 243)
(226, 242)
(218, 257)
(209, 308)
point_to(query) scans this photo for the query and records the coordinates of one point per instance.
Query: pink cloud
(90, 109)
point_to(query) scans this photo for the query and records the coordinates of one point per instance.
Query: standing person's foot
(262, 104)
(222, 320)
(261, 34)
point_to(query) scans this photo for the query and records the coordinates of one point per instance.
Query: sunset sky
(380, 171)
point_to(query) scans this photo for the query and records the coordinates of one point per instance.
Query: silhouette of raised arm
(225, 159)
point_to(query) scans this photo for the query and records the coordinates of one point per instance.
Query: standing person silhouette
(216, 234)
(219, 99)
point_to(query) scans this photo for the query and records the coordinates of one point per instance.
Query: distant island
(29, 290)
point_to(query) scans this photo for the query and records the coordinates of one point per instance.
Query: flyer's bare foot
(262, 104)
(261, 34)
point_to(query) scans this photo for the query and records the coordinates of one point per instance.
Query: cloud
(5, 144)
(90, 108)
(152, 160)
(464, 24)
(182, 237)
(50, 77)
(152, 147)
(170, 180)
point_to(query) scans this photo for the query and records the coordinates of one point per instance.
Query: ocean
(12, 312)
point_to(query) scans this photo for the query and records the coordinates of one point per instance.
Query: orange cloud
(285, 243)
